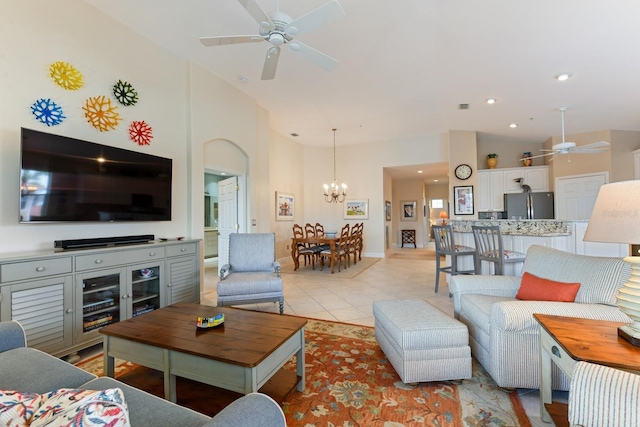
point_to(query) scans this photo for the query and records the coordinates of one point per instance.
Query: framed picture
(285, 206)
(408, 210)
(356, 209)
(387, 210)
(463, 199)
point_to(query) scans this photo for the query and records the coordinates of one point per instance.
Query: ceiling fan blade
(256, 12)
(535, 157)
(315, 19)
(313, 55)
(270, 63)
(222, 40)
(603, 145)
(587, 150)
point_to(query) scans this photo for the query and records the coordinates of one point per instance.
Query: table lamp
(444, 216)
(616, 219)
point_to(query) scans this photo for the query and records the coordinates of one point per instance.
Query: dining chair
(302, 249)
(355, 244)
(320, 233)
(341, 249)
(490, 247)
(252, 274)
(446, 245)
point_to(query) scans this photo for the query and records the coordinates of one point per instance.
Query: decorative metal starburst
(66, 75)
(125, 93)
(140, 132)
(101, 114)
(48, 112)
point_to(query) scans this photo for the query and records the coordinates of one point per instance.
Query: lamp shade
(616, 214)
(443, 214)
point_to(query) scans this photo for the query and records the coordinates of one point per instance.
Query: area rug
(349, 383)
(346, 273)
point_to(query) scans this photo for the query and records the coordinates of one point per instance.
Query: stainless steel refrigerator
(529, 205)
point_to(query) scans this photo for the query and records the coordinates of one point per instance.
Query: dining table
(306, 241)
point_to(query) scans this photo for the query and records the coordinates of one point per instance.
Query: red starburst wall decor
(101, 114)
(140, 132)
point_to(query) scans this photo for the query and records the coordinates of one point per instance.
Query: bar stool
(489, 247)
(445, 245)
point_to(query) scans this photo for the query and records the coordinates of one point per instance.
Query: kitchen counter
(523, 227)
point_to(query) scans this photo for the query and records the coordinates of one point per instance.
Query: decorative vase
(492, 162)
(526, 158)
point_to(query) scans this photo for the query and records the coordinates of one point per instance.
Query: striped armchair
(503, 334)
(600, 396)
(252, 274)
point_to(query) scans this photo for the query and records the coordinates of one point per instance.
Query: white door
(576, 196)
(227, 216)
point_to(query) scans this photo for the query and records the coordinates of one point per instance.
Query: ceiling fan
(279, 29)
(567, 147)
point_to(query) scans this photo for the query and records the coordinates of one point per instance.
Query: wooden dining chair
(341, 249)
(320, 233)
(355, 244)
(302, 249)
(489, 247)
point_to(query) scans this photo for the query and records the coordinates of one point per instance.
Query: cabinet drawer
(34, 269)
(112, 259)
(182, 249)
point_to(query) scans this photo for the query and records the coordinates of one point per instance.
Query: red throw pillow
(534, 288)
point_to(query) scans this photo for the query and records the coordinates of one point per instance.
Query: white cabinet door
(483, 196)
(537, 178)
(510, 186)
(496, 183)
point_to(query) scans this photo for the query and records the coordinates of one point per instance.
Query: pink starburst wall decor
(140, 132)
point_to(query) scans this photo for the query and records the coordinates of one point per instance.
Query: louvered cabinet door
(44, 308)
(184, 280)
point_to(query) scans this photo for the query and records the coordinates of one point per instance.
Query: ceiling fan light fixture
(563, 76)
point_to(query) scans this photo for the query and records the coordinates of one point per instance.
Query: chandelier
(338, 193)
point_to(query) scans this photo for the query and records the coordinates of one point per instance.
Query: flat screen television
(67, 179)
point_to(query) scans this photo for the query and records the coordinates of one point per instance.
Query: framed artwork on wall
(387, 210)
(285, 206)
(356, 209)
(463, 200)
(408, 210)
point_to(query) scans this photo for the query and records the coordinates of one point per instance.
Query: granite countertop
(523, 227)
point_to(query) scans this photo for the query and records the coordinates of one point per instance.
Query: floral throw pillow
(64, 407)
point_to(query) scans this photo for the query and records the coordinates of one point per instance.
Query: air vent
(294, 134)
(463, 106)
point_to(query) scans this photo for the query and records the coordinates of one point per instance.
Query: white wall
(36, 34)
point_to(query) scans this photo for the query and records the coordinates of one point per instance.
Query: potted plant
(492, 160)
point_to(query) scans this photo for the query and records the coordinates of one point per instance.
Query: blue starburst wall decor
(48, 112)
(125, 93)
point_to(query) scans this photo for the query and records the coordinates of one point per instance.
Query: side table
(568, 340)
(408, 236)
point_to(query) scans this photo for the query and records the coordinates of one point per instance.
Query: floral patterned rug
(349, 383)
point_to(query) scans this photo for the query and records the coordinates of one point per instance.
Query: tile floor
(405, 273)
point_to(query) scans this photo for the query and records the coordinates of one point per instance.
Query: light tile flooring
(405, 273)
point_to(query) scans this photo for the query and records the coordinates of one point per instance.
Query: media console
(63, 298)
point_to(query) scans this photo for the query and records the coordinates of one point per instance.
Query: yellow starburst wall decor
(66, 75)
(101, 114)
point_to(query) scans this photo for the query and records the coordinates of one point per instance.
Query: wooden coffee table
(240, 356)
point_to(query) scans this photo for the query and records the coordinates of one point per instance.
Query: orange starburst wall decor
(140, 132)
(66, 75)
(101, 114)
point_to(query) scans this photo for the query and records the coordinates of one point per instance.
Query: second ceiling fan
(567, 147)
(279, 29)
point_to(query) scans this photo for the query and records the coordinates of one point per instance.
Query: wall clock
(463, 171)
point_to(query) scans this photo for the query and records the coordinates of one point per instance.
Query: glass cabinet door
(145, 289)
(101, 301)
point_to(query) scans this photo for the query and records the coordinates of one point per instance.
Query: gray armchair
(253, 274)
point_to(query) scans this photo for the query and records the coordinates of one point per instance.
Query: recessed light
(435, 180)
(562, 76)
(513, 125)
(491, 101)
(419, 171)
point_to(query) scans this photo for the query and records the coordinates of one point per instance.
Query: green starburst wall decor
(125, 93)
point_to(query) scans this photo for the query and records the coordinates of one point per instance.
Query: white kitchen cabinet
(536, 177)
(490, 191)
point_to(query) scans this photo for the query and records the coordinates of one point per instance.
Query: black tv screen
(66, 179)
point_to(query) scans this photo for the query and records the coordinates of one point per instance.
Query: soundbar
(102, 241)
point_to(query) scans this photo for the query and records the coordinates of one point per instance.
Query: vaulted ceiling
(405, 67)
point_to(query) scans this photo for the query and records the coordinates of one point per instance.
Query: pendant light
(338, 193)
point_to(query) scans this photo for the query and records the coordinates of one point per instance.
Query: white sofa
(504, 335)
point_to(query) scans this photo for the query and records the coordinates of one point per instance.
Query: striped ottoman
(421, 342)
